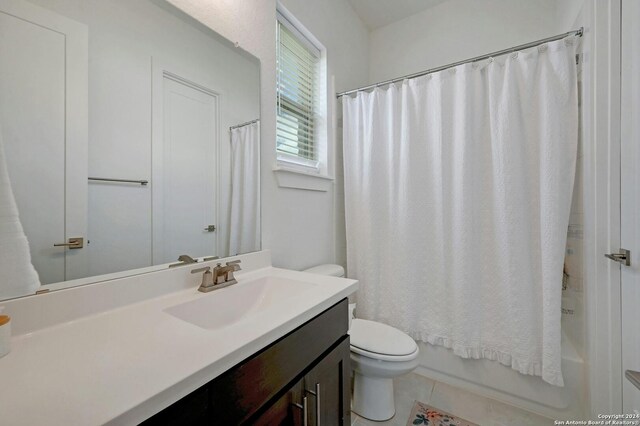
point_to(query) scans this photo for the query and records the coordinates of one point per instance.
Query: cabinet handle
(317, 404)
(304, 409)
(316, 394)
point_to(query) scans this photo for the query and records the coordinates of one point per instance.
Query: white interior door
(185, 191)
(630, 201)
(43, 117)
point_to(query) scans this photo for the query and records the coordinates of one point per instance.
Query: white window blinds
(297, 105)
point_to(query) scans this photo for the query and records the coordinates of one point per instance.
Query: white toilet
(379, 353)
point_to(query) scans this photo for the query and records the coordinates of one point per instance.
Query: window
(298, 97)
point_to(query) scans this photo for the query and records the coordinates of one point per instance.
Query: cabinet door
(327, 388)
(242, 392)
(288, 410)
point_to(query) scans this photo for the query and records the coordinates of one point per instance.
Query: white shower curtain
(244, 233)
(458, 188)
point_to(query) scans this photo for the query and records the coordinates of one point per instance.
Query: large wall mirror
(129, 138)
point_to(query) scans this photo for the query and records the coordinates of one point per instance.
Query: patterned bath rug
(423, 414)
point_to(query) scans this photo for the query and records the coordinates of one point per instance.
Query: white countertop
(124, 365)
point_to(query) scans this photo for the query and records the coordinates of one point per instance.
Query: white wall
(297, 225)
(570, 14)
(124, 36)
(457, 30)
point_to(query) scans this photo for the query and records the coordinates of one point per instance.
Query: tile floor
(469, 406)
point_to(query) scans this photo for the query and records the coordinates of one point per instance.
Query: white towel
(18, 277)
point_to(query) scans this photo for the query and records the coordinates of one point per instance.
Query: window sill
(298, 179)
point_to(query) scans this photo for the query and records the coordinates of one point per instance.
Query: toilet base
(373, 397)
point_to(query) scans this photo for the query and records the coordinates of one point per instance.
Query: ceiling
(378, 13)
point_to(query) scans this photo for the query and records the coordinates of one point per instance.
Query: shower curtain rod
(577, 32)
(243, 124)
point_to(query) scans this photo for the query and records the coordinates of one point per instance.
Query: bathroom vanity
(152, 348)
(305, 373)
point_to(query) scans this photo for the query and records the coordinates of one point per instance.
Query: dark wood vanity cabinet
(320, 394)
(327, 388)
(306, 371)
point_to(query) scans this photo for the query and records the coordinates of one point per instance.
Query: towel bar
(141, 182)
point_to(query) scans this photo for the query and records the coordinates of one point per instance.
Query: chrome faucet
(184, 259)
(222, 276)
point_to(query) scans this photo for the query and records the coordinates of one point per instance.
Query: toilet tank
(327, 269)
(333, 271)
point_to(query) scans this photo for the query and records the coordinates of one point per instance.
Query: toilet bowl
(379, 353)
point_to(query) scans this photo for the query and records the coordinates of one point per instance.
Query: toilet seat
(382, 342)
(382, 357)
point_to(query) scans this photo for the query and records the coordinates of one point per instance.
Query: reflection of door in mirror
(137, 97)
(185, 197)
(43, 116)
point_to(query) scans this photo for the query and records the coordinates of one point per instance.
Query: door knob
(210, 228)
(74, 243)
(623, 257)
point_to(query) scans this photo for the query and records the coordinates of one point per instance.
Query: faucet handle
(204, 269)
(219, 274)
(230, 269)
(235, 264)
(183, 259)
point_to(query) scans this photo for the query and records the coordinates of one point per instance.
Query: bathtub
(496, 381)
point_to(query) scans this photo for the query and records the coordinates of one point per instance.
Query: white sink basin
(226, 306)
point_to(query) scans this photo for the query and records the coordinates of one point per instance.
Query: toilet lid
(380, 338)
